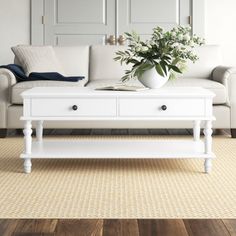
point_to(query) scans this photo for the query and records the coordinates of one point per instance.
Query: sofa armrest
(222, 73)
(8, 75)
(7, 79)
(227, 76)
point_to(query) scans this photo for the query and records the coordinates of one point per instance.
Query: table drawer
(87, 107)
(151, 107)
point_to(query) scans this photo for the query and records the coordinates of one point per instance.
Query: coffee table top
(85, 92)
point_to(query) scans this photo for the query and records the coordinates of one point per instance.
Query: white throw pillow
(37, 59)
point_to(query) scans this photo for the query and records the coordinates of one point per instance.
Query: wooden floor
(177, 227)
(118, 227)
(116, 132)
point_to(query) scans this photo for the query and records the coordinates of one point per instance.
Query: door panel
(79, 21)
(71, 22)
(143, 16)
(71, 40)
(74, 11)
(146, 11)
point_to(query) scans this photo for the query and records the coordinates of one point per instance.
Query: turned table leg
(28, 143)
(208, 145)
(196, 130)
(39, 131)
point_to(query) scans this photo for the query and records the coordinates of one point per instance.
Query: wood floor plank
(119, 132)
(231, 226)
(206, 227)
(129, 228)
(81, 131)
(177, 132)
(79, 227)
(7, 227)
(138, 132)
(171, 227)
(147, 227)
(162, 227)
(120, 227)
(36, 226)
(158, 131)
(111, 227)
(101, 132)
(32, 234)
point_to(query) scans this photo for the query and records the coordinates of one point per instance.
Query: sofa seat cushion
(18, 88)
(216, 87)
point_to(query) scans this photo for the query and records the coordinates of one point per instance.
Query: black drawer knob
(163, 107)
(74, 108)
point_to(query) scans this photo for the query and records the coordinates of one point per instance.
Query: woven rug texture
(118, 188)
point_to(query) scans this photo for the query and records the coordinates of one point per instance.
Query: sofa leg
(233, 133)
(3, 133)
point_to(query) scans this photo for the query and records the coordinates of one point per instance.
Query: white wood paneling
(82, 11)
(63, 107)
(152, 107)
(70, 22)
(198, 12)
(143, 16)
(152, 11)
(37, 27)
(78, 21)
(64, 40)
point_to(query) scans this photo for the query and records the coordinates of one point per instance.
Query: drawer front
(147, 107)
(87, 107)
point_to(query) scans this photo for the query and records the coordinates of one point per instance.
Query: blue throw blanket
(21, 77)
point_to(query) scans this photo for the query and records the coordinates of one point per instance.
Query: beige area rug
(118, 188)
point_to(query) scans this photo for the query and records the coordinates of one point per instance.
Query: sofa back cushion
(209, 58)
(102, 64)
(37, 59)
(74, 60)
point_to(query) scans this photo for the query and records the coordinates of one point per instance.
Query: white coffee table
(84, 104)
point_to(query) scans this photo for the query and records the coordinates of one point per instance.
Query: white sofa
(97, 65)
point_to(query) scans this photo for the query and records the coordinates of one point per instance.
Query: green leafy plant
(167, 51)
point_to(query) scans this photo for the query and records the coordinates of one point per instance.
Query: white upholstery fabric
(102, 64)
(217, 88)
(37, 59)
(209, 58)
(74, 60)
(227, 76)
(18, 88)
(7, 79)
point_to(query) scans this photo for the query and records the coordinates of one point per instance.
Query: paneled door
(70, 22)
(143, 16)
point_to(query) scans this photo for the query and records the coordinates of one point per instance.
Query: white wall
(14, 27)
(220, 27)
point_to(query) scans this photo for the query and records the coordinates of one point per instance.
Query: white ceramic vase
(151, 79)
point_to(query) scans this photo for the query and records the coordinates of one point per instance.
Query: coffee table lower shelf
(126, 148)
